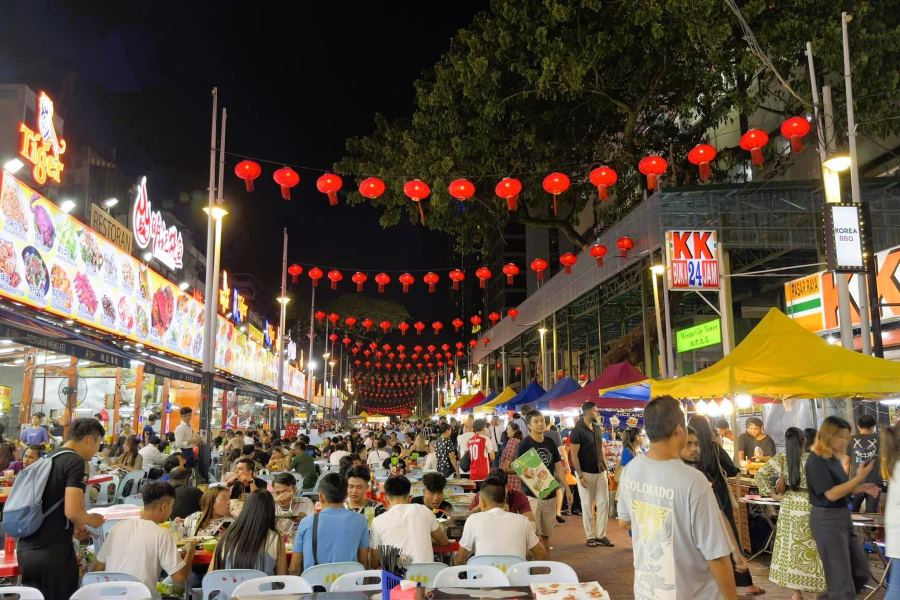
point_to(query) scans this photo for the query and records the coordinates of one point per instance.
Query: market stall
(563, 387)
(619, 374)
(491, 404)
(528, 395)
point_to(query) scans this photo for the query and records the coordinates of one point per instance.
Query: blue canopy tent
(563, 387)
(529, 394)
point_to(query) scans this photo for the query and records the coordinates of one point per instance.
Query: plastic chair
(424, 573)
(499, 561)
(475, 576)
(454, 489)
(274, 586)
(121, 590)
(21, 592)
(522, 573)
(355, 582)
(130, 485)
(103, 498)
(221, 584)
(104, 576)
(322, 576)
(99, 535)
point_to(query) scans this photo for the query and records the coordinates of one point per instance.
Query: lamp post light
(543, 333)
(657, 271)
(279, 352)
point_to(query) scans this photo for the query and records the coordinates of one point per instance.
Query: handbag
(734, 502)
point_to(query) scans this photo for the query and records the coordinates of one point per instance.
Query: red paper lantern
(473, 343)
(403, 326)
(334, 318)
(367, 323)
(598, 251)
(753, 142)
(460, 345)
(437, 326)
(346, 341)
(624, 244)
(653, 167)
(795, 129)
(456, 276)
(483, 274)
(406, 280)
(295, 271)
(287, 178)
(382, 279)
(457, 323)
(556, 184)
(417, 190)
(248, 170)
(701, 155)
(510, 270)
(350, 321)
(385, 326)
(603, 178)
(335, 276)
(359, 278)
(494, 317)
(419, 327)
(462, 189)
(513, 313)
(475, 320)
(485, 341)
(371, 188)
(539, 265)
(568, 260)
(431, 279)
(329, 184)
(315, 274)
(333, 337)
(320, 315)
(509, 189)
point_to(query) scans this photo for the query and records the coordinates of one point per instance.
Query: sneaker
(604, 541)
(559, 519)
(592, 543)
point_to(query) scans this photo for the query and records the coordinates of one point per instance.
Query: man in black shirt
(544, 509)
(187, 497)
(589, 470)
(864, 448)
(242, 481)
(47, 557)
(755, 444)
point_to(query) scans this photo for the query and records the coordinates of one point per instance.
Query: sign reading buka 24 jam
(150, 229)
(692, 260)
(43, 148)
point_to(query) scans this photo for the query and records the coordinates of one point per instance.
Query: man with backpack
(45, 551)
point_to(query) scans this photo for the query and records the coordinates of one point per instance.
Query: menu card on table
(590, 590)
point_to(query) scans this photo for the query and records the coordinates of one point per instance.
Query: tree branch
(521, 216)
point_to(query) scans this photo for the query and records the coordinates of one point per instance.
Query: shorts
(544, 512)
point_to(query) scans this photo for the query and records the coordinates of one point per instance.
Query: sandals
(592, 543)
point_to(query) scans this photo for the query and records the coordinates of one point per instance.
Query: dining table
(769, 507)
(420, 593)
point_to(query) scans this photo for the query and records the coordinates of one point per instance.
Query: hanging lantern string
(307, 265)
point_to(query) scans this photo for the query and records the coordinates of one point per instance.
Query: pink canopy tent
(614, 375)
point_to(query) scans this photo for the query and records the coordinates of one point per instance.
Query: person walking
(795, 559)
(544, 509)
(681, 550)
(590, 472)
(184, 436)
(890, 469)
(830, 489)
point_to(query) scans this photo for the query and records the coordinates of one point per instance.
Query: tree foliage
(533, 86)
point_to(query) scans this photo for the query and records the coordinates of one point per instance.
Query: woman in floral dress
(795, 559)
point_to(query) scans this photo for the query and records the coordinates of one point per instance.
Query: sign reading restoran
(692, 260)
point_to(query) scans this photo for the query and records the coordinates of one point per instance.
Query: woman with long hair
(717, 466)
(130, 459)
(510, 452)
(890, 470)
(214, 513)
(252, 541)
(845, 563)
(809, 438)
(795, 560)
(632, 440)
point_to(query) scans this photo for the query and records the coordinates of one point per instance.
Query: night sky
(297, 78)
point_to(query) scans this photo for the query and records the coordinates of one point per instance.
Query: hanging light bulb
(743, 401)
(713, 409)
(727, 407)
(700, 407)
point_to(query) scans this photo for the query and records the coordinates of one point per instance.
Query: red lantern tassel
(332, 198)
(285, 192)
(380, 288)
(651, 181)
(567, 269)
(421, 212)
(482, 283)
(430, 288)
(333, 284)
(555, 209)
(540, 277)
(359, 286)
(705, 171)
(756, 157)
(405, 288)
(599, 261)
(509, 280)
(512, 203)
(455, 287)
(604, 194)
(249, 184)
(295, 278)
(315, 282)
(796, 144)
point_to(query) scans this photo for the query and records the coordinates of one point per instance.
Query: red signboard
(692, 260)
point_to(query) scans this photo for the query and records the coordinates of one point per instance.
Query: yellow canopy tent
(502, 398)
(363, 415)
(781, 359)
(460, 400)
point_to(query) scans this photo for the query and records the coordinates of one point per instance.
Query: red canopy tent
(476, 400)
(614, 375)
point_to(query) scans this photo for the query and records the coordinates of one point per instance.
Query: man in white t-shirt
(141, 548)
(153, 458)
(376, 457)
(185, 440)
(681, 547)
(410, 527)
(495, 531)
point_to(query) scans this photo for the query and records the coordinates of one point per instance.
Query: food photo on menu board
(50, 261)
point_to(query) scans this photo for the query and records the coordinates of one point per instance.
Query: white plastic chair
(475, 576)
(355, 582)
(499, 561)
(220, 584)
(324, 575)
(120, 590)
(424, 573)
(103, 498)
(21, 592)
(275, 585)
(557, 572)
(131, 484)
(104, 576)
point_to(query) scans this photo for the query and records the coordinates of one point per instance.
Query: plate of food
(45, 232)
(141, 319)
(127, 276)
(11, 207)
(90, 252)
(68, 240)
(162, 310)
(85, 292)
(36, 274)
(62, 287)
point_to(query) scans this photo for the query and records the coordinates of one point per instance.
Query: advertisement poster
(692, 260)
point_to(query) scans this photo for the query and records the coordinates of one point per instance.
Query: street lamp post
(279, 345)
(543, 332)
(656, 271)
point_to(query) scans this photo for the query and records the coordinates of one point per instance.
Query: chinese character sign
(692, 260)
(150, 230)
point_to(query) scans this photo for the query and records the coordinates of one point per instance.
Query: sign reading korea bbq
(150, 230)
(692, 260)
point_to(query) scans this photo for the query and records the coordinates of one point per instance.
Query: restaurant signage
(843, 240)
(104, 224)
(151, 231)
(232, 305)
(812, 300)
(43, 149)
(699, 336)
(692, 260)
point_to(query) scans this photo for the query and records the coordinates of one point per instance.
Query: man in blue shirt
(34, 435)
(333, 535)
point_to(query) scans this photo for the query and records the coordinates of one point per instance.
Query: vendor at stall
(755, 444)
